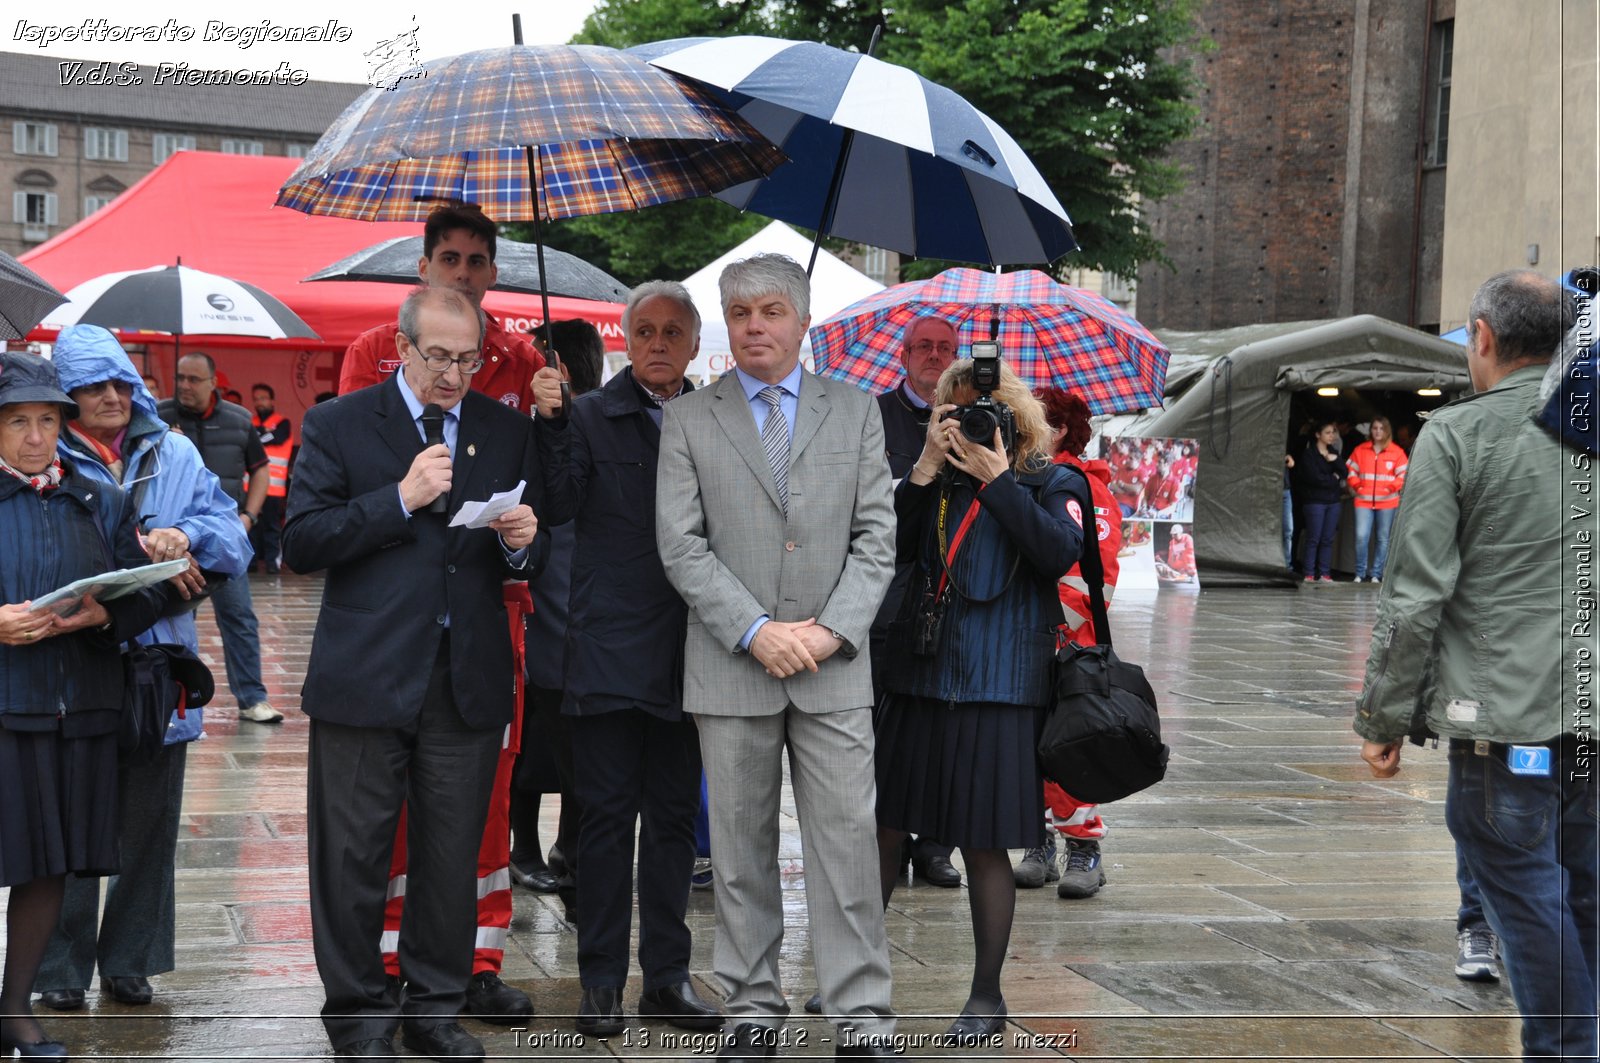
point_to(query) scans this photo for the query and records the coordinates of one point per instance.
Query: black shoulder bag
(159, 679)
(1102, 738)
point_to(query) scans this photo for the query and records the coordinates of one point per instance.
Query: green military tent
(1240, 392)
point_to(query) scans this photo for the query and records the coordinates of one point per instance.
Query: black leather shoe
(748, 1043)
(556, 861)
(491, 1000)
(680, 1006)
(127, 990)
(372, 1048)
(33, 1049)
(937, 871)
(600, 1012)
(534, 876)
(971, 1029)
(62, 999)
(444, 1041)
(813, 1003)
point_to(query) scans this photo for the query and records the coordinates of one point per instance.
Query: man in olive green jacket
(1472, 633)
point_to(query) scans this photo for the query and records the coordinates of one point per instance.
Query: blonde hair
(1035, 439)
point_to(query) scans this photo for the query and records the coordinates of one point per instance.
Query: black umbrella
(395, 262)
(25, 298)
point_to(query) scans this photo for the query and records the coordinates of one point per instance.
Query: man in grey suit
(775, 523)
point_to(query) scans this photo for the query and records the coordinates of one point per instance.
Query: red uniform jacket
(510, 360)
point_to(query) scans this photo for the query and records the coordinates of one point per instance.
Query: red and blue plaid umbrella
(1050, 334)
(609, 132)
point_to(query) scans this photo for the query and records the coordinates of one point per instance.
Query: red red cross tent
(215, 212)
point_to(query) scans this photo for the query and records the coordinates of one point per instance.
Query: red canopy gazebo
(215, 213)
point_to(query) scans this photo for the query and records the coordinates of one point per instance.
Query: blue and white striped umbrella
(928, 175)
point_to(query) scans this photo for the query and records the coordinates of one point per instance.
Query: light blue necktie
(775, 441)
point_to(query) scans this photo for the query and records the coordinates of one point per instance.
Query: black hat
(191, 673)
(29, 378)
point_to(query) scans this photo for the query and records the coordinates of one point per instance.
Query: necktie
(775, 441)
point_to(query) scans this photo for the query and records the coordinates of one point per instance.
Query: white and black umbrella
(25, 297)
(394, 261)
(180, 301)
(879, 154)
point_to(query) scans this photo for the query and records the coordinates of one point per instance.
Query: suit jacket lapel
(732, 411)
(809, 414)
(396, 427)
(471, 435)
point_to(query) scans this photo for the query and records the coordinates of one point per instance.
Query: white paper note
(479, 514)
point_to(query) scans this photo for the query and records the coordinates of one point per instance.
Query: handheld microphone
(433, 433)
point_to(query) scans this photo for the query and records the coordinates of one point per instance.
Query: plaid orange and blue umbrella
(1049, 333)
(611, 133)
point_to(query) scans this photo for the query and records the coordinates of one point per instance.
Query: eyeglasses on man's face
(467, 364)
(927, 347)
(186, 378)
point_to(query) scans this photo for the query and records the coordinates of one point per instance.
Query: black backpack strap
(1089, 563)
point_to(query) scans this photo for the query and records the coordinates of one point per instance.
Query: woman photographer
(991, 526)
(60, 679)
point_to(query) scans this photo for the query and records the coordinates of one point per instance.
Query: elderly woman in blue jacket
(61, 681)
(182, 511)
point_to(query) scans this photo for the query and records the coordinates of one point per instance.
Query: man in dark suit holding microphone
(406, 684)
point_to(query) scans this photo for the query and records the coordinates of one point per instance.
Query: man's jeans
(1366, 521)
(1530, 844)
(1288, 528)
(241, 646)
(1470, 914)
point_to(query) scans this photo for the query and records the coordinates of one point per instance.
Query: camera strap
(947, 552)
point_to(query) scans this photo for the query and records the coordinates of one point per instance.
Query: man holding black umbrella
(930, 346)
(458, 247)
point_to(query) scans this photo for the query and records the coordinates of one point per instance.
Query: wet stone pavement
(1269, 901)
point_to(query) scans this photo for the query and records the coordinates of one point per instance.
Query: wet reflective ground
(1269, 901)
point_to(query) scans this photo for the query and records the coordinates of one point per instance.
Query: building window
(33, 138)
(1443, 45)
(165, 145)
(108, 144)
(297, 151)
(34, 209)
(241, 147)
(94, 203)
(875, 264)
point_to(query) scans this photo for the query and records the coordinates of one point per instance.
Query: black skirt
(58, 805)
(966, 775)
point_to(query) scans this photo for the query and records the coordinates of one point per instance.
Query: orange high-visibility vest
(278, 455)
(1377, 478)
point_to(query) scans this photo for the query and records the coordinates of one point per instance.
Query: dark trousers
(545, 731)
(443, 771)
(1322, 524)
(266, 533)
(134, 938)
(632, 765)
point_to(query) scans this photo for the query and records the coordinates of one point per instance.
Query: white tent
(834, 286)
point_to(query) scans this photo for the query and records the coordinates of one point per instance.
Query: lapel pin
(472, 450)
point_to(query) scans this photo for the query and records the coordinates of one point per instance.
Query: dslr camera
(979, 419)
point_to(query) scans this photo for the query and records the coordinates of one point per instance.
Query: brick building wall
(1302, 190)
